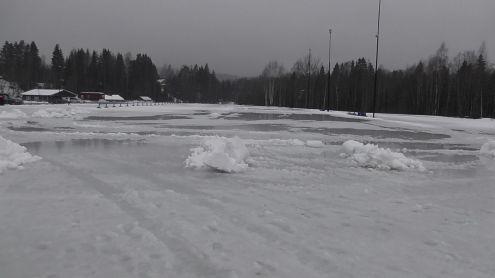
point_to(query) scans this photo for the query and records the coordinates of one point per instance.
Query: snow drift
(372, 156)
(13, 156)
(488, 149)
(58, 112)
(222, 154)
(315, 144)
(13, 114)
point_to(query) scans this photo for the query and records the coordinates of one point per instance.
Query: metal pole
(376, 60)
(309, 79)
(329, 70)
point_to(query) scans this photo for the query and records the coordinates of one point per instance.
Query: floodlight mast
(376, 57)
(327, 103)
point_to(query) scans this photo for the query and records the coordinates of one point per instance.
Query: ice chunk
(315, 144)
(372, 156)
(13, 155)
(488, 149)
(221, 154)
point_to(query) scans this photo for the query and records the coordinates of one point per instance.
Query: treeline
(461, 87)
(195, 84)
(80, 71)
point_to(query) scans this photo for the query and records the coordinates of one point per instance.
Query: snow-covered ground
(190, 190)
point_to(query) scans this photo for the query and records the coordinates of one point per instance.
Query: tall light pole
(376, 61)
(329, 70)
(309, 79)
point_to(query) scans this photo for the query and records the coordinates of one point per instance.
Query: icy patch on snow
(279, 142)
(13, 114)
(372, 156)
(488, 149)
(58, 112)
(13, 155)
(222, 154)
(315, 144)
(253, 142)
(89, 125)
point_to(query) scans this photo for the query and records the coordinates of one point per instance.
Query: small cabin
(48, 95)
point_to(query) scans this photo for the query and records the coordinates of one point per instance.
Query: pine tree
(57, 67)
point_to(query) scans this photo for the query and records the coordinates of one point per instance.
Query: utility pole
(376, 57)
(309, 79)
(329, 70)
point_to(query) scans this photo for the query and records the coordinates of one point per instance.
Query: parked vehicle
(6, 99)
(71, 100)
(15, 101)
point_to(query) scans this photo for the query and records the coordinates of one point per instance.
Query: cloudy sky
(240, 36)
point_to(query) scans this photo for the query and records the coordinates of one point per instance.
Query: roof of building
(92, 93)
(145, 98)
(114, 98)
(44, 92)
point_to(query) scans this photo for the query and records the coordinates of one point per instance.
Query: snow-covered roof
(114, 98)
(145, 98)
(42, 92)
(46, 92)
(93, 93)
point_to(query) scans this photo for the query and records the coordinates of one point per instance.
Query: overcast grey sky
(239, 37)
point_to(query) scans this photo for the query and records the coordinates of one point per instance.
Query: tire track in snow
(191, 260)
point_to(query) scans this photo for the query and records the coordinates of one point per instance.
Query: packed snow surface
(222, 154)
(144, 192)
(372, 156)
(13, 156)
(488, 149)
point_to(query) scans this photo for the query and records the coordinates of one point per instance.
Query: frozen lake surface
(112, 196)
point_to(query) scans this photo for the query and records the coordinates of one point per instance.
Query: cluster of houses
(64, 96)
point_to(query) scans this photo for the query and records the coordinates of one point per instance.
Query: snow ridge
(372, 156)
(488, 149)
(13, 155)
(58, 112)
(222, 154)
(12, 114)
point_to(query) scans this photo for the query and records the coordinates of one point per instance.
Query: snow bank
(214, 115)
(488, 149)
(315, 144)
(226, 155)
(372, 156)
(13, 114)
(13, 156)
(58, 112)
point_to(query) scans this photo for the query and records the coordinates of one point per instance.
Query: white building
(145, 98)
(114, 98)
